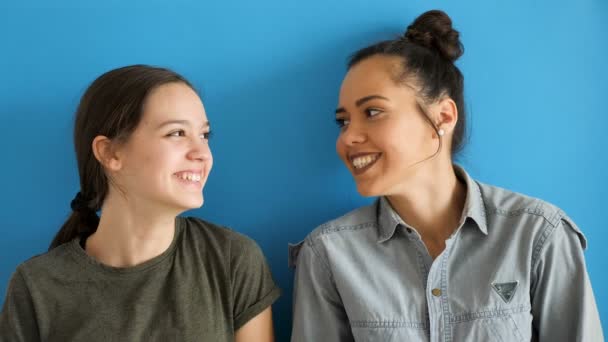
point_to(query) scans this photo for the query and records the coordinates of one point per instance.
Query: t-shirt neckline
(92, 263)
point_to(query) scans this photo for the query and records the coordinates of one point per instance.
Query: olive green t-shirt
(204, 287)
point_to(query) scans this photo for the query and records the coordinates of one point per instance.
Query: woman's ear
(447, 114)
(104, 151)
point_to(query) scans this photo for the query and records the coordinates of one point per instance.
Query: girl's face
(383, 132)
(166, 161)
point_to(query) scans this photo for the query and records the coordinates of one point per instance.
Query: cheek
(340, 149)
(404, 144)
(209, 163)
(158, 161)
(137, 163)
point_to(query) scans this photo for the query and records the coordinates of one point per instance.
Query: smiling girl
(439, 256)
(137, 272)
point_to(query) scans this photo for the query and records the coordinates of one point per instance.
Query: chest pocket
(515, 327)
(388, 331)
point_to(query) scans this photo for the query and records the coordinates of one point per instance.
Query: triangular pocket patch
(506, 291)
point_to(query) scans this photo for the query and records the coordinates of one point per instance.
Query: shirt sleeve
(253, 288)
(18, 318)
(318, 313)
(563, 305)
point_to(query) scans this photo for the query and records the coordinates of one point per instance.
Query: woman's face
(166, 161)
(383, 132)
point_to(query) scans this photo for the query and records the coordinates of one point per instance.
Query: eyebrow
(361, 101)
(180, 122)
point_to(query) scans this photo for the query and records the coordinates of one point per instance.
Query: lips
(362, 162)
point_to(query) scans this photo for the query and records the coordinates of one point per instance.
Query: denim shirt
(514, 270)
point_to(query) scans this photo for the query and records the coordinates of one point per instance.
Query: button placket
(434, 299)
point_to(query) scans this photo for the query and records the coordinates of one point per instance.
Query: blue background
(269, 73)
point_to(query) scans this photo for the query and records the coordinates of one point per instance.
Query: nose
(199, 149)
(353, 134)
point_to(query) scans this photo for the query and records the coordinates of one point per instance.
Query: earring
(441, 132)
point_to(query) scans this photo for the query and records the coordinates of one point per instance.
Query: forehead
(173, 101)
(372, 75)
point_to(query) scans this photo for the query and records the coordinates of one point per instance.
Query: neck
(433, 203)
(130, 234)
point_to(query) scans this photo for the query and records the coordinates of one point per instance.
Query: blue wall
(269, 72)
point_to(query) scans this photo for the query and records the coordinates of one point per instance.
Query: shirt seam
(472, 316)
(546, 234)
(541, 243)
(321, 261)
(335, 229)
(388, 324)
(549, 217)
(444, 295)
(257, 308)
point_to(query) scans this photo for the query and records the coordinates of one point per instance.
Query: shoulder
(524, 212)
(220, 237)
(197, 228)
(503, 202)
(357, 219)
(54, 263)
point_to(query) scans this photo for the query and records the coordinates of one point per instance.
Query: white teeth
(193, 177)
(361, 162)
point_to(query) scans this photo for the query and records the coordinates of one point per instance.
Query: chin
(189, 204)
(196, 205)
(368, 190)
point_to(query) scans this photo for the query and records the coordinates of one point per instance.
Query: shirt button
(436, 292)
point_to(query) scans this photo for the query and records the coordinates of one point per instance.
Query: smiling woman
(439, 256)
(138, 271)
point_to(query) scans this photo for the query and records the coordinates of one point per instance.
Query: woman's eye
(372, 112)
(342, 122)
(206, 135)
(179, 133)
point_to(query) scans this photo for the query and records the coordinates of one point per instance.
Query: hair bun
(433, 30)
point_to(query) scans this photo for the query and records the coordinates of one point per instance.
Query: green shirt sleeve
(18, 318)
(253, 288)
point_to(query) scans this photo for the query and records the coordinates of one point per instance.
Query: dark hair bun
(433, 30)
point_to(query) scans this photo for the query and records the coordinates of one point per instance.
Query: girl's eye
(179, 133)
(342, 122)
(206, 135)
(371, 112)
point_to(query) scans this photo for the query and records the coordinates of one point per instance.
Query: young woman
(138, 272)
(439, 256)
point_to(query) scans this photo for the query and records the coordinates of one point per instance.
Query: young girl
(138, 272)
(439, 256)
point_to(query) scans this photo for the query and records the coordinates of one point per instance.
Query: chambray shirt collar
(389, 220)
(474, 206)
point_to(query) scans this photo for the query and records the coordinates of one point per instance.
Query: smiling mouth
(189, 176)
(363, 162)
